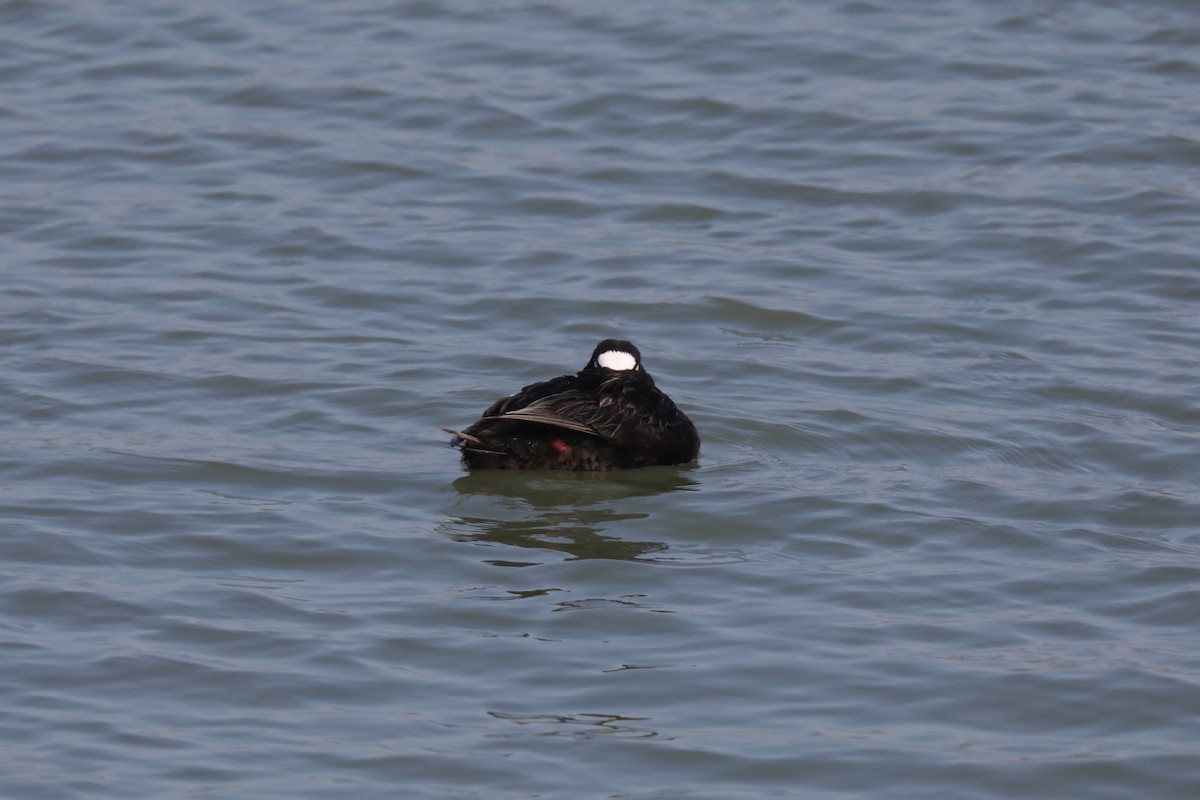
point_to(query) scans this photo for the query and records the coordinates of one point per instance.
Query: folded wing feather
(575, 411)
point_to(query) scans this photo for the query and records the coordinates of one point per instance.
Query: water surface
(924, 275)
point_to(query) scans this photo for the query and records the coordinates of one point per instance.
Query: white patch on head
(616, 359)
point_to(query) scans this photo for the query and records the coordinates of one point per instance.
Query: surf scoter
(609, 415)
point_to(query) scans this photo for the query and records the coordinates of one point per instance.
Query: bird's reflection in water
(566, 512)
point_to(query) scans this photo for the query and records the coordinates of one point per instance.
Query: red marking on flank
(561, 446)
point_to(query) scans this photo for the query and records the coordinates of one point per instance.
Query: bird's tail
(469, 443)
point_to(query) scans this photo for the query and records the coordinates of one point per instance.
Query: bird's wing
(530, 395)
(547, 418)
(607, 415)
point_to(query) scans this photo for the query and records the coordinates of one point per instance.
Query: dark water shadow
(564, 512)
(578, 726)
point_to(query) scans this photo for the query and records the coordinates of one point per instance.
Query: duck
(608, 416)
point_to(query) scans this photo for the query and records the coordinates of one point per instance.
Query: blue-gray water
(925, 274)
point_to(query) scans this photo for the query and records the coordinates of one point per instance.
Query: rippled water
(924, 274)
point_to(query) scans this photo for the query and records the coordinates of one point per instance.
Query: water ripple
(923, 276)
